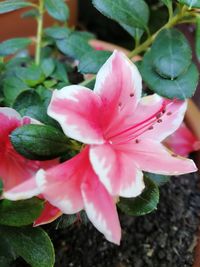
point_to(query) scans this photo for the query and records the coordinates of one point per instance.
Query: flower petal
(77, 109)
(169, 120)
(152, 156)
(49, 214)
(9, 120)
(116, 170)
(24, 190)
(182, 141)
(119, 85)
(60, 185)
(100, 208)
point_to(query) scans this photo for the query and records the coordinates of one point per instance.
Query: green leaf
(57, 9)
(33, 13)
(57, 32)
(48, 66)
(136, 33)
(7, 255)
(12, 87)
(26, 99)
(158, 178)
(182, 87)
(11, 5)
(197, 38)
(32, 244)
(60, 73)
(20, 213)
(190, 3)
(92, 61)
(74, 46)
(39, 142)
(14, 45)
(143, 204)
(123, 11)
(31, 75)
(172, 54)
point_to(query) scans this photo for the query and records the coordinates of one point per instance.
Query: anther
(132, 94)
(136, 141)
(174, 155)
(169, 113)
(159, 121)
(150, 128)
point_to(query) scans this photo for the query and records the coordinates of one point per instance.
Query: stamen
(159, 121)
(131, 94)
(169, 113)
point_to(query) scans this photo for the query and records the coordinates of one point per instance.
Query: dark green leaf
(48, 66)
(158, 178)
(123, 11)
(74, 46)
(39, 142)
(182, 87)
(190, 3)
(92, 61)
(26, 99)
(32, 75)
(57, 32)
(143, 204)
(7, 254)
(32, 244)
(171, 53)
(14, 45)
(20, 213)
(11, 5)
(197, 38)
(57, 9)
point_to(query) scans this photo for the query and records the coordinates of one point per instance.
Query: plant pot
(13, 26)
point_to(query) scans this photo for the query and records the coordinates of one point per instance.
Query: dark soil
(165, 238)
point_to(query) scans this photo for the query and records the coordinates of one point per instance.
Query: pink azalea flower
(123, 135)
(183, 141)
(14, 168)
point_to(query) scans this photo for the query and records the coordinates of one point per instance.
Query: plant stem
(39, 32)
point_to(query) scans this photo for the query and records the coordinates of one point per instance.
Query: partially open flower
(123, 135)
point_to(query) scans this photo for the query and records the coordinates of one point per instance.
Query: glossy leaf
(92, 61)
(143, 204)
(191, 3)
(39, 142)
(123, 11)
(57, 9)
(11, 5)
(32, 244)
(20, 213)
(182, 87)
(172, 54)
(14, 45)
